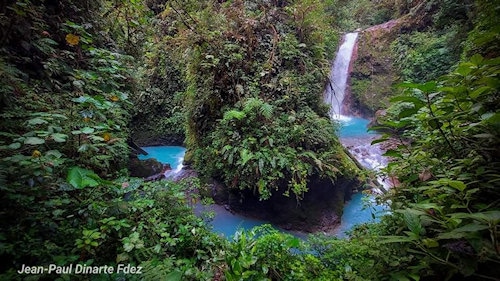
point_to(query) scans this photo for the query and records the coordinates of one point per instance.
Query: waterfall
(354, 137)
(335, 90)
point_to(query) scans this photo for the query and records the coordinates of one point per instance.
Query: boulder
(146, 168)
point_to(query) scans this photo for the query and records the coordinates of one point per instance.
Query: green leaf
(234, 114)
(392, 153)
(407, 112)
(434, 123)
(127, 247)
(84, 147)
(488, 216)
(457, 185)
(57, 137)
(174, 276)
(37, 121)
(430, 243)
(80, 178)
(472, 227)
(477, 59)
(14, 145)
(426, 87)
(491, 118)
(245, 156)
(478, 92)
(87, 130)
(34, 141)
(379, 140)
(464, 69)
(451, 235)
(293, 243)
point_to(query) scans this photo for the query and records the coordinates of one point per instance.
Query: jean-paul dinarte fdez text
(80, 269)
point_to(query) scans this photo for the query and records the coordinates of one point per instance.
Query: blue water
(173, 155)
(352, 127)
(227, 223)
(360, 209)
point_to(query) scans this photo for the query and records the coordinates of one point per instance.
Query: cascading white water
(335, 90)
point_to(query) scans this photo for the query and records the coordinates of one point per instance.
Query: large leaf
(80, 178)
(425, 87)
(468, 230)
(87, 130)
(37, 121)
(174, 276)
(34, 141)
(58, 137)
(472, 227)
(392, 153)
(379, 140)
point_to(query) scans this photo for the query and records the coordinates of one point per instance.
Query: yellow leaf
(36, 154)
(115, 98)
(106, 137)
(72, 39)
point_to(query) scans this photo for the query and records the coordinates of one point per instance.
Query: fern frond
(266, 110)
(251, 104)
(234, 114)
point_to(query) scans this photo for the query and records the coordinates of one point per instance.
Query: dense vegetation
(253, 69)
(242, 81)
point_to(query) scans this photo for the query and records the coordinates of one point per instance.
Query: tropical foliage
(244, 78)
(448, 167)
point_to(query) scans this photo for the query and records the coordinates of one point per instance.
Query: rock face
(319, 210)
(374, 73)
